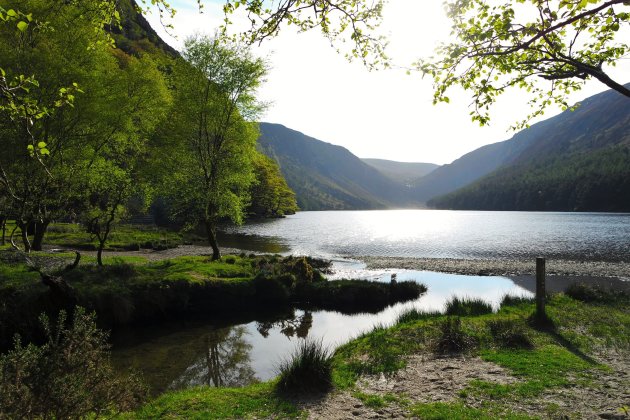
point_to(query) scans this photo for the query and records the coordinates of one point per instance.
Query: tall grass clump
(414, 314)
(467, 306)
(509, 334)
(511, 300)
(307, 370)
(452, 338)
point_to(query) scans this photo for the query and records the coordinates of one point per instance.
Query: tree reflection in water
(226, 361)
(290, 326)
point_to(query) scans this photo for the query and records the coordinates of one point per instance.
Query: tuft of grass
(308, 370)
(511, 300)
(467, 307)
(414, 314)
(452, 338)
(509, 334)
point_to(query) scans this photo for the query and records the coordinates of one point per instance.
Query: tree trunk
(212, 239)
(24, 233)
(38, 235)
(3, 223)
(99, 253)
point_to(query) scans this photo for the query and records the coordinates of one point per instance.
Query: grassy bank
(131, 290)
(554, 360)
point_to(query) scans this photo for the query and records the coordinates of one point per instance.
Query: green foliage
(467, 306)
(68, 377)
(307, 371)
(546, 49)
(205, 149)
(270, 194)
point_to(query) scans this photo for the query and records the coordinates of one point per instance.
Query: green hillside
(576, 161)
(328, 177)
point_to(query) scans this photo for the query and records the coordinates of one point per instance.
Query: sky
(385, 114)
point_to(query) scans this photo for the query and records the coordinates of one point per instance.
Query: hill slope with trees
(328, 177)
(576, 161)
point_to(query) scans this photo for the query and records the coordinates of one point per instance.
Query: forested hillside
(576, 161)
(328, 177)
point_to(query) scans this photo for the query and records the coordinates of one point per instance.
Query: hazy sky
(379, 114)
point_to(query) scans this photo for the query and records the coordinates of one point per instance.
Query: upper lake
(439, 234)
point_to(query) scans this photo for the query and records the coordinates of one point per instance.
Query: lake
(247, 348)
(440, 234)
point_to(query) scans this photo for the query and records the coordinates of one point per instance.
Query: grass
(307, 371)
(254, 401)
(123, 237)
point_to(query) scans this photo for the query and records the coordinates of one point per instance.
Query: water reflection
(248, 351)
(224, 361)
(297, 326)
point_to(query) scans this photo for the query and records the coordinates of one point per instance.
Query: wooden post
(540, 288)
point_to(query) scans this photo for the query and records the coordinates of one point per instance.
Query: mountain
(576, 161)
(135, 34)
(401, 172)
(328, 177)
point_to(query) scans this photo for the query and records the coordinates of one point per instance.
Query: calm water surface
(185, 355)
(440, 234)
(239, 352)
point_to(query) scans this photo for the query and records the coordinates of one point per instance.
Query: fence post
(540, 289)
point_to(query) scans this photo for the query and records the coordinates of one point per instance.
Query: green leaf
(41, 145)
(22, 26)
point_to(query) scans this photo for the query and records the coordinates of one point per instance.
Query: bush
(308, 370)
(467, 307)
(70, 376)
(452, 338)
(509, 334)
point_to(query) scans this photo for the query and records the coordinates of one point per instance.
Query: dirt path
(428, 379)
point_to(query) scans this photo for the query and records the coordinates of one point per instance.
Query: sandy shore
(502, 267)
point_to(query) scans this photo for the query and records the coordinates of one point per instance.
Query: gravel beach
(502, 267)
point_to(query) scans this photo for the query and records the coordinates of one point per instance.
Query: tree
(547, 47)
(212, 139)
(270, 194)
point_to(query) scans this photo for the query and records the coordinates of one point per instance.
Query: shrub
(452, 339)
(70, 376)
(308, 370)
(230, 260)
(467, 307)
(509, 334)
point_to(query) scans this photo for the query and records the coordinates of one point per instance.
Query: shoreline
(473, 267)
(501, 267)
